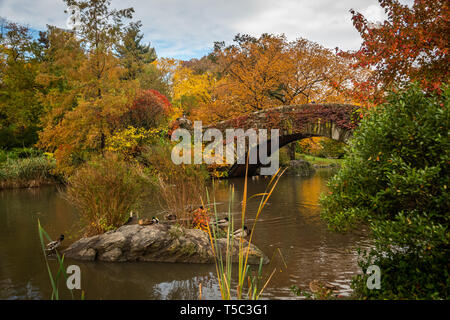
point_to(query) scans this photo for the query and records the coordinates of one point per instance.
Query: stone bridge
(295, 122)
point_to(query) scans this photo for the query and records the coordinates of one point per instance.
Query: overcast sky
(187, 29)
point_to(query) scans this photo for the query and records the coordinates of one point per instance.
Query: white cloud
(374, 13)
(185, 29)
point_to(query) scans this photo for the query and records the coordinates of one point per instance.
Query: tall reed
(178, 186)
(54, 279)
(224, 262)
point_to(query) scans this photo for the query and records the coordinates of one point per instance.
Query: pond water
(289, 224)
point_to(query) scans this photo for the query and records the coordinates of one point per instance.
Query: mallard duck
(222, 223)
(54, 244)
(147, 222)
(170, 216)
(321, 288)
(242, 233)
(131, 219)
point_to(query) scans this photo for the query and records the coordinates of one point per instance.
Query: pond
(289, 230)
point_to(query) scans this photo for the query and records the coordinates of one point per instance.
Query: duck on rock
(242, 233)
(148, 222)
(52, 246)
(222, 223)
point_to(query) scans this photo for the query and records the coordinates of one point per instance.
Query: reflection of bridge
(295, 122)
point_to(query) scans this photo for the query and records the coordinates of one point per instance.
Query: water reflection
(290, 224)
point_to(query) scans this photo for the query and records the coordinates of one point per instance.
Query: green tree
(132, 53)
(101, 29)
(396, 179)
(19, 107)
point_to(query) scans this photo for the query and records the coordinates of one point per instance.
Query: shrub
(131, 141)
(105, 190)
(149, 110)
(396, 179)
(331, 148)
(321, 147)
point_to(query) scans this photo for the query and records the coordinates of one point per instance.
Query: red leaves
(412, 45)
(148, 109)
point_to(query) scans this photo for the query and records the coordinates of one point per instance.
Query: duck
(321, 288)
(147, 222)
(131, 219)
(242, 233)
(222, 223)
(54, 244)
(170, 216)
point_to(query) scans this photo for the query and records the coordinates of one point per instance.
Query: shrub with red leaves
(149, 110)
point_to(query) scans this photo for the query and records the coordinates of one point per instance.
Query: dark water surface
(290, 223)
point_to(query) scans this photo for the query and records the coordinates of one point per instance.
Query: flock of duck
(221, 223)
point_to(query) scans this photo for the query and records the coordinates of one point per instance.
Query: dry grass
(27, 173)
(105, 190)
(178, 187)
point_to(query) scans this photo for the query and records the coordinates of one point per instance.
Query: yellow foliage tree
(190, 89)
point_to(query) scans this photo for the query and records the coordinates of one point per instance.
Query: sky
(185, 29)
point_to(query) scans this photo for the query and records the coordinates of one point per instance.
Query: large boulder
(301, 168)
(160, 242)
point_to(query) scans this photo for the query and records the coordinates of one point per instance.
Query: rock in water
(159, 242)
(301, 168)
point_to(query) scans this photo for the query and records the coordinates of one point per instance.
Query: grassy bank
(27, 172)
(318, 161)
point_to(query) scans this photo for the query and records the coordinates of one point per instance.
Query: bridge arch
(295, 122)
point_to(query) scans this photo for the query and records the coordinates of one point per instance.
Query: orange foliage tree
(411, 45)
(88, 93)
(260, 73)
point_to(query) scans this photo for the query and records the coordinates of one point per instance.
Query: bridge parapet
(335, 121)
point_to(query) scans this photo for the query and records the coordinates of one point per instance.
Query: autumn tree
(192, 90)
(259, 73)
(19, 108)
(313, 74)
(158, 76)
(85, 108)
(410, 45)
(101, 29)
(251, 70)
(150, 109)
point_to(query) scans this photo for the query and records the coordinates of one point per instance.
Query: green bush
(105, 190)
(331, 148)
(19, 153)
(14, 137)
(396, 179)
